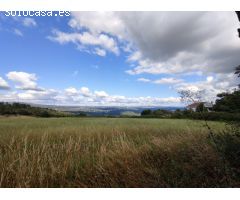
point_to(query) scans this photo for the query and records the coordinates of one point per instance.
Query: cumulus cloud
(31, 96)
(161, 81)
(71, 91)
(169, 42)
(84, 97)
(212, 86)
(98, 22)
(135, 56)
(45, 95)
(85, 92)
(87, 39)
(168, 81)
(3, 84)
(144, 80)
(183, 41)
(24, 81)
(101, 94)
(29, 92)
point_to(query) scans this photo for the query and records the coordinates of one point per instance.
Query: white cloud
(169, 42)
(85, 92)
(72, 96)
(98, 22)
(18, 32)
(161, 81)
(134, 56)
(86, 39)
(100, 52)
(211, 86)
(71, 91)
(183, 42)
(144, 80)
(168, 81)
(30, 96)
(210, 79)
(3, 84)
(101, 94)
(45, 95)
(28, 22)
(24, 81)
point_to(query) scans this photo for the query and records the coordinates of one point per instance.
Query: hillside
(28, 110)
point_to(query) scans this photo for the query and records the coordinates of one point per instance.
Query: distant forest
(24, 109)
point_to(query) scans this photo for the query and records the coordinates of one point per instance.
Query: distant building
(194, 106)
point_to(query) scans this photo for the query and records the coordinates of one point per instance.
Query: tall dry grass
(108, 153)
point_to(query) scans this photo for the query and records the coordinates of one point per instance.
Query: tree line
(226, 108)
(28, 110)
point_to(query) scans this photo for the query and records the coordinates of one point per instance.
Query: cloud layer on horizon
(26, 90)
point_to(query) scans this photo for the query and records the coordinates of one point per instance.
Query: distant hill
(108, 110)
(28, 110)
(58, 111)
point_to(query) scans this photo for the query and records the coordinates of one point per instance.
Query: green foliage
(201, 108)
(188, 114)
(228, 144)
(24, 109)
(81, 114)
(212, 116)
(228, 102)
(160, 113)
(146, 112)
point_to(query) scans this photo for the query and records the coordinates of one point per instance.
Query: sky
(117, 58)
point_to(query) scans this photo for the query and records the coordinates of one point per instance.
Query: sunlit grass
(106, 152)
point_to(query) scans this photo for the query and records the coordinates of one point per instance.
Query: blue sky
(97, 58)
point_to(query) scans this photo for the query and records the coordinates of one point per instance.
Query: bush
(228, 145)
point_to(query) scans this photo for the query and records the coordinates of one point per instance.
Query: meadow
(109, 152)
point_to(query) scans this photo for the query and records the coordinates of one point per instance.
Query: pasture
(109, 152)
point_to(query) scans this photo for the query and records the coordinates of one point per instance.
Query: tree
(201, 108)
(189, 96)
(228, 102)
(196, 96)
(238, 14)
(238, 71)
(146, 112)
(24, 109)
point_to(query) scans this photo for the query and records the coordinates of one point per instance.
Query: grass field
(108, 152)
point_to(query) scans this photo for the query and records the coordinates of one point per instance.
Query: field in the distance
(108, 152)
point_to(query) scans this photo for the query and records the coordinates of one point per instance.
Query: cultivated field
(108, 152)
